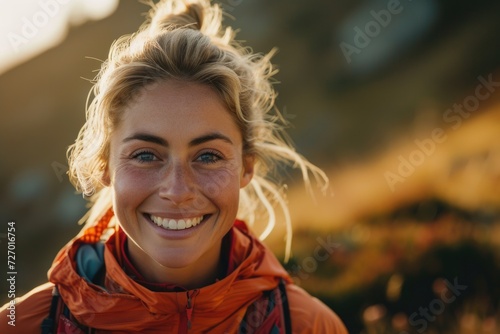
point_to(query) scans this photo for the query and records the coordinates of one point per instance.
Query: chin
(175, 259)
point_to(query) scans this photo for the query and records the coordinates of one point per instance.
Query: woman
(180, 140)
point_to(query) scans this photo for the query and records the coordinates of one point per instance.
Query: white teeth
(156, 220)
(172, 224)
(181, 224)
(163, 222)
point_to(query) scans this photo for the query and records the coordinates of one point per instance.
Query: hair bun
(190, 14)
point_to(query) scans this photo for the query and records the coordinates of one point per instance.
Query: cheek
(221, 186)
(132, 185)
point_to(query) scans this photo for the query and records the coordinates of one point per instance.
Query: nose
(177, 184)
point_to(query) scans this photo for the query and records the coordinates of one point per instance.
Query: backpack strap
(285, 307)
(49, 323)
(270, 314)
(90, 266)
(60, 319)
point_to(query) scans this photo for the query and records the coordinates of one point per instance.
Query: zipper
(189, 307)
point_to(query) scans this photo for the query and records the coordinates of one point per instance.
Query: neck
(198, 274)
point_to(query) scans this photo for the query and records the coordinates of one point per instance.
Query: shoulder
(309, 315)
(28, 312)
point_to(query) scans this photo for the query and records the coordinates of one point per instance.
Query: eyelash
(137, 156)
(215, 154)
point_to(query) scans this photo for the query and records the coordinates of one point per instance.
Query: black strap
(49, 323)
(286, 307)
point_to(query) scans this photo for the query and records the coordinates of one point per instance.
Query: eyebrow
(146, 137)
(194, 142)
(209, 137)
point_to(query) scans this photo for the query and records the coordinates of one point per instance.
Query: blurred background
(398, 101)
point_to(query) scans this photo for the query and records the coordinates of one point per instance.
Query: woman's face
(176, 168)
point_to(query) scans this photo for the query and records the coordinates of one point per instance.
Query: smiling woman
(161, 171)
(179, 148)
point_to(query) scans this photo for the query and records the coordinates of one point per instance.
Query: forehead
(176, 107)
(176, 95)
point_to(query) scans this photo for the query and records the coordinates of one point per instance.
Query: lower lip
(176, 234)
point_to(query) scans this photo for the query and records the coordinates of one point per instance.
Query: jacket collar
(125, 304)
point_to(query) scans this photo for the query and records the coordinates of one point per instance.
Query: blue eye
(209, 158)
(144, 156)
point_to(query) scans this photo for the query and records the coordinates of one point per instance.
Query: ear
(105, 178)
(247, 170)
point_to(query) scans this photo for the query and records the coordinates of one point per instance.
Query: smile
(176, 224)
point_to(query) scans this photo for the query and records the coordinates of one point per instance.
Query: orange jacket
(126, 306)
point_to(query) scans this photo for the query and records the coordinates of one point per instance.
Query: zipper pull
(189, 311)
(189, 307)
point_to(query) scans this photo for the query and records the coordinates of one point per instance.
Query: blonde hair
(185, 40)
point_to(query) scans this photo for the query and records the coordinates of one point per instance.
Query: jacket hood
(122, 304)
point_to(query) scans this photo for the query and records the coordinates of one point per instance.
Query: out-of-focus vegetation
(425, 262)
(384, 273)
